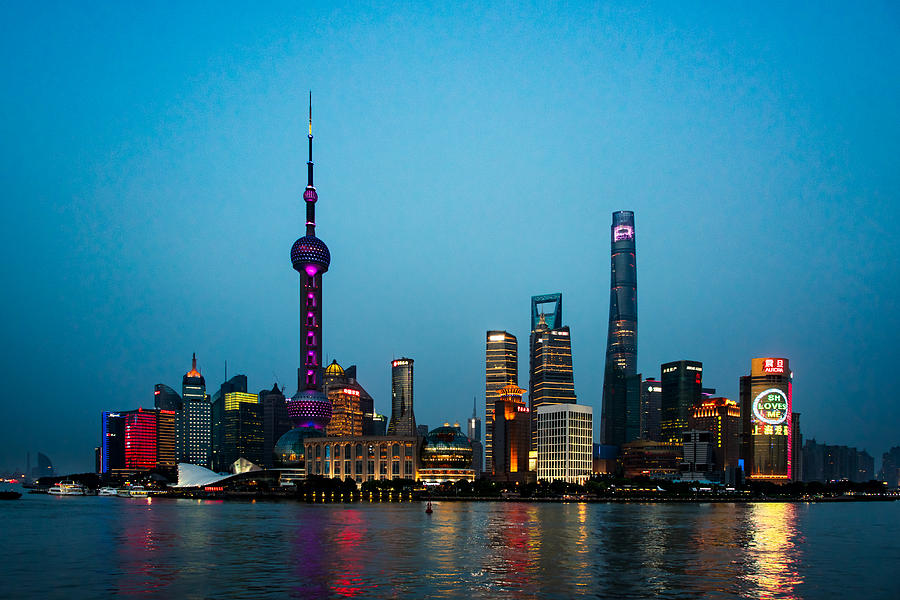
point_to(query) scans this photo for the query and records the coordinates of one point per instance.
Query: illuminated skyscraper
(620, 414)
(512, 435)
(721, 417)
(165, 398)
(766, 402)
(682, 382)
(167, 440)
(501, 362)
(140, 440)
(196, 419)
(403, 420)
(550, 366)
(651, 404)
(112, 441)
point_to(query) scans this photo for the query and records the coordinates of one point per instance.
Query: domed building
(446, 456)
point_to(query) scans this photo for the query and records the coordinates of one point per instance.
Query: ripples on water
(96, 546)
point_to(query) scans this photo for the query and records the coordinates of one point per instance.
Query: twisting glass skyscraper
(621, 384)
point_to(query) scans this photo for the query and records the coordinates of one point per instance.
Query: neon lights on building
(771, 406)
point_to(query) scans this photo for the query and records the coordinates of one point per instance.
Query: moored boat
(10, 495)
(107, 491)
(134, 491)
(66, 488)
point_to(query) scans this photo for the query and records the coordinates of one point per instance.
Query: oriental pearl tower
(309, 409)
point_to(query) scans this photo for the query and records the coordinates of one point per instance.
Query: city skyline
(155, 220)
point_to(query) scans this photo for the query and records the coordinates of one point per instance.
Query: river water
(88, 547)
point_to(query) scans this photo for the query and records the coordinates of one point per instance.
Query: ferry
(135, 491)
(107, 491)
(66, 488)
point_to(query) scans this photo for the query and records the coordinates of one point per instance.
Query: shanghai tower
(621, 383)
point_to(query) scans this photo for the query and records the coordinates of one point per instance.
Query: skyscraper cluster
(670, 426)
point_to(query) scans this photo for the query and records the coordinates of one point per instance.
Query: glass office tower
(403, 420)
(501, 368)
(550, 366)
(620, 414)
(766, 405)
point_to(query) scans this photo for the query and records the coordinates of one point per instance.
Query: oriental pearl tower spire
(309, 408)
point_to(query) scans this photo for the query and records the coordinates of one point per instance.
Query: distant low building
(651, 459)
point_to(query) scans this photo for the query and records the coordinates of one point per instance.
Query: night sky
(467, 158)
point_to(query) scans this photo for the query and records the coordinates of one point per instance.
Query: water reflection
(773, 554)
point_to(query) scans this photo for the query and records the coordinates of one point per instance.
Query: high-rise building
(651, 407)
(352, 407)
(165, 398)
(238, 383)
(766, 414)
(275, 421)
(621, 414)
(474, 434)
(140, 440)
(797, 450)
(309, 408)
(512, 435)
(379, 424)
(167, 440)
(565, 442)
(196, 419)
(890, 467)
(112, 441)
(501, 368)
(243, 431)
(824, 463)
(346, 412)
(551, 379)
(682, 382)
(403, 420)
(721, 417)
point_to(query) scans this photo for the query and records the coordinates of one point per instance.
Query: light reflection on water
(98, 546)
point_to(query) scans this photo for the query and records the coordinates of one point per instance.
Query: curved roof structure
(196, 476)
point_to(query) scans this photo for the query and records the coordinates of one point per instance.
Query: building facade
(697, 455)
(722, 418)
(620, 420)
(651, 409)
(682, 384)
(824, 463)
(446, 456)
(550, 376)
(363, 458)
(512, 436)
(403, 419)
(196, 418)
(501, 368)
(565, 443)
(275, 421)
(766, 420)
(165, 398)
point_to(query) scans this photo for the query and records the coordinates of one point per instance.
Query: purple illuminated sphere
(309, 253)
(309, 408)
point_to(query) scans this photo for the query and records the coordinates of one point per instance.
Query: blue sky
(467, 158)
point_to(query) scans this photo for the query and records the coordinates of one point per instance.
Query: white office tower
(565, 436)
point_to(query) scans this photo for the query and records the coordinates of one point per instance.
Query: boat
(10, 495)
(66, 488)
(135, 491)
(107, 491)
(428, 509)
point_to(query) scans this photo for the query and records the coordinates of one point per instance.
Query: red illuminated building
(140, 439)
